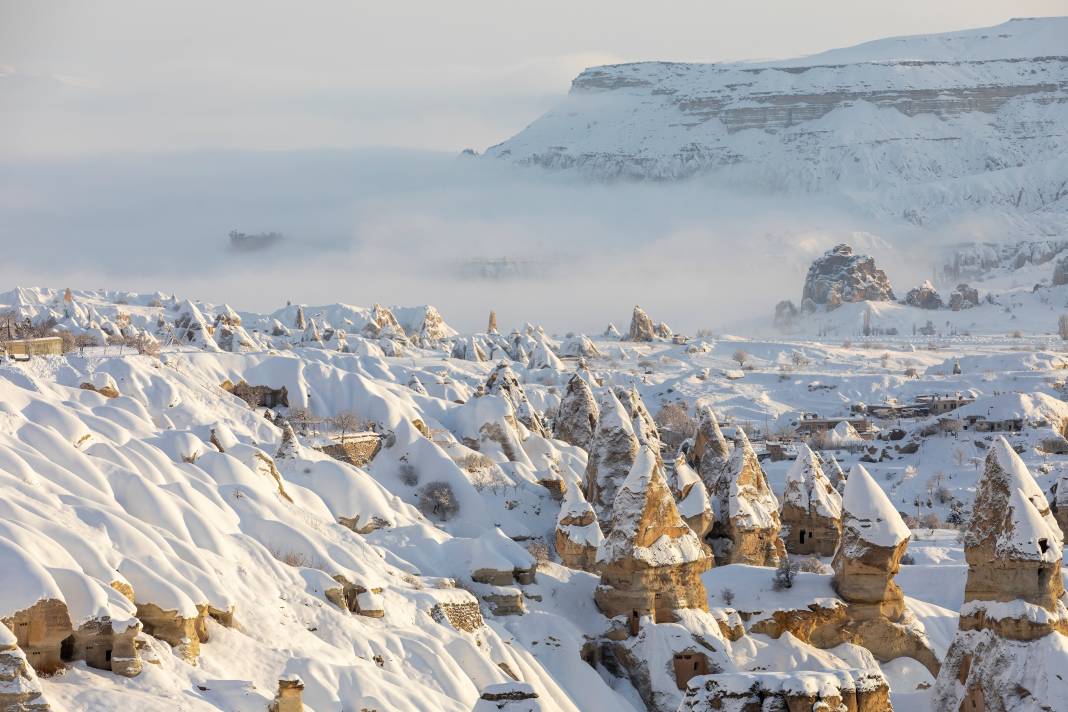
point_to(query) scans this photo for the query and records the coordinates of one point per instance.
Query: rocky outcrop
(40, 631)
(578, 535)
(290, 695)
(747, 512)
(963, 297)
(576, 418)
(1013, 597)
(786, 314)
(508, 697)
(579, 346)
(612, 451)
(796, 691)
(644, 425)
(925, 297)
(20, 690)
(184, 633)
(874, 538)
(503, 381)
(491, 326)
(641, 326)
(710, 454)
(651, 561)
(691, 497)
(811, 511)
(840, 276)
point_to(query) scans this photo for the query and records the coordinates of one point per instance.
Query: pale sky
(140, 75)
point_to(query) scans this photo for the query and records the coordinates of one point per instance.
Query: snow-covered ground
(167, 488)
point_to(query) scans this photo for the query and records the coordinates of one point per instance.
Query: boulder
(576, 418)
(20, 690)
(510, 696)
(651, 561)
(811, 511)
(840, 276)
(641, 326)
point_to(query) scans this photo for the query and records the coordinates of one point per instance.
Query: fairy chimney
(644, 425)
(691, 497)
(491, 327)
(710, 456)
(503, 381)
(874, 538)
(641, 326)
(651, 561)
(748, 511)
(576, 418)
(290, 695)
(811, 508)
(578, 535)
(1008, 641)
(611, 454)
(1013, 542)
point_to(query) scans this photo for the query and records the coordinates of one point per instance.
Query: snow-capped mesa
(914, 127)
(350, 510)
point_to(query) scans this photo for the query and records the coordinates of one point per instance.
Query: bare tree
(346, 422)
(741, 357)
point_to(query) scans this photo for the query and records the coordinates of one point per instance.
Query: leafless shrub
(408, 474)
(784, 574)
(476, 462)
(812, 565)
(741, 356)
(437, 500)
(538, 549)
(727, 595)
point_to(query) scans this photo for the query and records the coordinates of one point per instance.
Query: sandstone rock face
(578, 535)
(800, 691)
(811, 508)
(710, 455)
(491, 327)
(748, 511)
(641, 326)
(40, 631)
(1013, 619)
(183, 633)
(503, 381)
(651, 560)
(290, 696)
(20, 690)
(963, 297)
(612, 451)
(509, 697)
(874, 538)
(576, 419)
(644, 425)
(840, 276)
(691, 498)
(925, 297)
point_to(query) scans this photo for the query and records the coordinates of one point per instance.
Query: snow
(869, 512)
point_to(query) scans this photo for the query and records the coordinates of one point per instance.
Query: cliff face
(891, 113)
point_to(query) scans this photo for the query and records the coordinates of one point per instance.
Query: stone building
(611, 454)
(795, 691)
(576, 418)
(747, 512)
(811, 508)
(578, 535)
(651, 561)
(874, 538)
(1010, 637)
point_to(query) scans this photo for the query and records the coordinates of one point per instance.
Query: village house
(24, 349)
(811, 424)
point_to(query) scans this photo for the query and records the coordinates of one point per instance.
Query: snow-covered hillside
(209, 540)
(915, 128)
